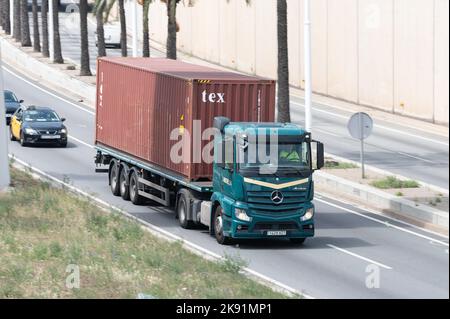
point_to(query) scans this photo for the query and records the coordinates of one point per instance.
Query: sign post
(360, 127)
(4, 161)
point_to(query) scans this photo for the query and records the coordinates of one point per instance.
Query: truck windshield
(282, 158)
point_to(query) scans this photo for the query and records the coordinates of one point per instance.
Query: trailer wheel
(123, 184)
(182, 209)
(218, 228)
(114, 178)
(135, 198)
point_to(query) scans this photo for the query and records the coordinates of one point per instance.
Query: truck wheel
(182, 209)
(135, 198)
(297, 241)
(114, 179)
(11, 135)
(218, 228)
(123, 184)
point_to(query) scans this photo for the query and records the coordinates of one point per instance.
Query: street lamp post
(308, 71)
(5, 178)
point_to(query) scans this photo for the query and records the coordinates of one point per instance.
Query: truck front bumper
(264, 227)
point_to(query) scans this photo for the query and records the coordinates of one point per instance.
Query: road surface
(351, 245)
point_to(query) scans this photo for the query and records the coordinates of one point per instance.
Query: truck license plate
(50, 137)
(276, 233)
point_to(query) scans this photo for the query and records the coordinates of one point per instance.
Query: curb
(45, 73)
(385, 201)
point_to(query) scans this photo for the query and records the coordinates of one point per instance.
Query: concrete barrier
(42, 72)
(383, 201)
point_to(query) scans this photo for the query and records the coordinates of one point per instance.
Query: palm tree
(123, 29)
(85, 69)
(36, 38)
(171, 45)
(57, 54)
(145, 35)
(6, 18)
(17, 34)
(44, 22)
(25, 24)
(284, 115)
(100, 8)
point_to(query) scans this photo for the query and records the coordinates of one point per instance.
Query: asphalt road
(407, 151)
(336, 263)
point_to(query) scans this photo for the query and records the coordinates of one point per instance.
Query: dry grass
(44, 229)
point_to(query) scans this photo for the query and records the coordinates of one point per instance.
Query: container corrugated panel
(140, 101)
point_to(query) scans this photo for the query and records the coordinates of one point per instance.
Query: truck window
(229, 153)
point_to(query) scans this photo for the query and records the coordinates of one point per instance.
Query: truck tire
(135, 198)
(297, 241)
(218, 228)
(184, 201)
(123, 184)
(114, 178)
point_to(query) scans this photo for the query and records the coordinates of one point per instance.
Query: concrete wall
(389, 54)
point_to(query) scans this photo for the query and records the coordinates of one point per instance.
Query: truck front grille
(261, 202)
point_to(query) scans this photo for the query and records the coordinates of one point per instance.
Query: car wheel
(22, 140)
(123, 185)
(63, 144)
(135, 198)
(218, 228)
(182, 209)
(114, 179)
(11, 135)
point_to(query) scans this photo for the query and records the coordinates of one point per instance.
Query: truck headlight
(242, 215)
(308, 215)
(31, 131)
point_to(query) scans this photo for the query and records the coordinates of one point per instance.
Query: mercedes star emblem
(277, 197)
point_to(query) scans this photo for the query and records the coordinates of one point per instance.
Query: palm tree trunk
(44, 22)
(36, 38)
(2, 14)
(6, 17)
(284, 115)
(100, 31)
(145, 35)
(123, 29)
(57, 54)
(172, 29)
(25, 24)
(17, 34)
(85, 69)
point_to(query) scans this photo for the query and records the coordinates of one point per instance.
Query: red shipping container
(140, 101)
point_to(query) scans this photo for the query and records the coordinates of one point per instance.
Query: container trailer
(197, 139)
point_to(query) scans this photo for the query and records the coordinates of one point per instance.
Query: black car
(12, 103)
(38, 125)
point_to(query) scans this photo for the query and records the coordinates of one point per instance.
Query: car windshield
(286, 157)
(41, 116)
(10, 97)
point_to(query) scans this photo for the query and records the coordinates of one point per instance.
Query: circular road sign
(360, 125)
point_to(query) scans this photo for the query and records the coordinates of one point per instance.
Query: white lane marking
(375, 125)
(387, 224)
(416, 157)
(159, 230)
(47, 92)
(80, 141)
(345, 251)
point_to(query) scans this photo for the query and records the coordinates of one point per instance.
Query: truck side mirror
(320, 155)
